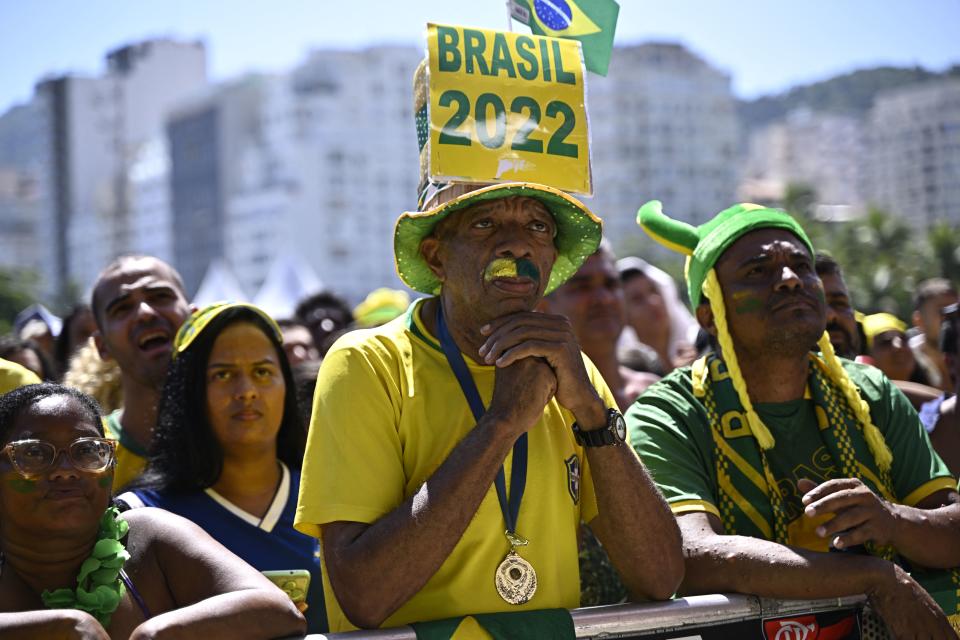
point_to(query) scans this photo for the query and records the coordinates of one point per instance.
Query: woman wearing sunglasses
(228, 444)
(71, 566)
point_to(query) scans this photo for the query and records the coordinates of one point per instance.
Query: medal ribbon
(518, 477)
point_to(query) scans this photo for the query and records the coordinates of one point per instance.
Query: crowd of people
(383, 449)
(545, 427)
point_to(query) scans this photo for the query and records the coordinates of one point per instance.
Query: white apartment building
(913, 156)
(334, 165)
(82, 135)
(821, 150)
(148, 190)
(19, 248)
(23, 195)
(124, 111)
(664, 127)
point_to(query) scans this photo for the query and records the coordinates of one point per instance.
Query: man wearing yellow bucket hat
(471, 415)
(772, 455)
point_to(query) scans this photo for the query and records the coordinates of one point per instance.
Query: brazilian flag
(592, 22)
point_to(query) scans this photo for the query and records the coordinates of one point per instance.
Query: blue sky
(766, 45)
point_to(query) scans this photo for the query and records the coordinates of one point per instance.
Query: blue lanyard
(518, 477)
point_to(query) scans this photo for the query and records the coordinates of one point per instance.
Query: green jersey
(669, 428)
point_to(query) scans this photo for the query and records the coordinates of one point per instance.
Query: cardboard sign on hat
(499, 114)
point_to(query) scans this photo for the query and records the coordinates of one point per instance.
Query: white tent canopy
(289, 280)
(219, 284)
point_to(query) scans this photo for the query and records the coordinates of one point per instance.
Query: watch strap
(605, 436)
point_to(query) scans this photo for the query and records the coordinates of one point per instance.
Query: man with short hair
(771, 455)
(592, 300)
(426, 430)
(138, 303)
(841, 320)
(931, 296)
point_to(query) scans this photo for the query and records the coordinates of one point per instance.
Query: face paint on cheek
(746, 302)
(22, 485)
(105, 481)
(511, 268)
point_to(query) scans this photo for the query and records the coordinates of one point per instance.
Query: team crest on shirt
(573, 477)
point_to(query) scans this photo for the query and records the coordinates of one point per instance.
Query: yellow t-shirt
(13, 376)
(387, 411)
(131, 456)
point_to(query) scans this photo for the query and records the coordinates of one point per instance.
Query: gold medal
(515, 579)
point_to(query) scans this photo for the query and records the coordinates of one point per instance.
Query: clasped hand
(537, 353)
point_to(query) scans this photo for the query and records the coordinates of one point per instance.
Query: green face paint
(105, 481)
(745, 302)
(511, 268)
(22, 485)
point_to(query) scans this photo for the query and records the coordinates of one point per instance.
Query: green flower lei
(99, 587)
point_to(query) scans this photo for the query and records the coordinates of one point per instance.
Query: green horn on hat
(673, 234)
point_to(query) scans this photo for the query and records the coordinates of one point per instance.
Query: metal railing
(688, 618)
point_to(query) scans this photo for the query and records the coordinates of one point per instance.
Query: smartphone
(294, 582)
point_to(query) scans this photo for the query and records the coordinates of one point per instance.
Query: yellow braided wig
(878, 446)
(711, 289)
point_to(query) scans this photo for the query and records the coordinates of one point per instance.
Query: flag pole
(508, 4)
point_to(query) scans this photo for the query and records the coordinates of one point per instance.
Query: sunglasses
(34, 457)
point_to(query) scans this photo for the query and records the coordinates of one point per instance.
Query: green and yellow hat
(705, 244)
(200, 319)
(380, 306)
(877, 323)
(578, 229)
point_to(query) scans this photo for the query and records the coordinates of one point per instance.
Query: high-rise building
(144, 81)
(820, 150)
(24, 162)
(77, 138)
(335, 164)
(209, 136)
(913, 153)
(148, 190)
(663, 126)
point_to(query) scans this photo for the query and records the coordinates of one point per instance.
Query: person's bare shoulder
(148, 524)
(191, 561)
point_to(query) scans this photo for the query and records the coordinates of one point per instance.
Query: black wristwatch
(613, 433)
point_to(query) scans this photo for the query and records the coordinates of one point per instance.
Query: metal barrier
(707, 617)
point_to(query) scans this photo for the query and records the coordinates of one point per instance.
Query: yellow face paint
(511, 268)
(501, 268)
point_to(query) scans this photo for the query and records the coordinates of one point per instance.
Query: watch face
(620, 427)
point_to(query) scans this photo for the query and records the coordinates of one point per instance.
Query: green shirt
(668, 427)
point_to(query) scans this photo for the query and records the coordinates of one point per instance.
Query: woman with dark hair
(228, 444)
(72, 566)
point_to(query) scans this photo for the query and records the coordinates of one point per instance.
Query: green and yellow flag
(592, 22)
